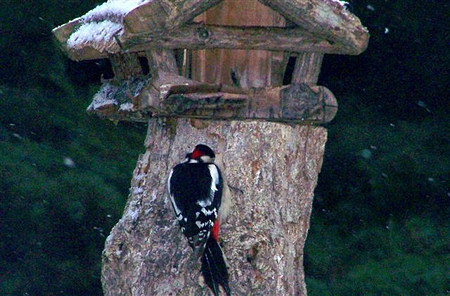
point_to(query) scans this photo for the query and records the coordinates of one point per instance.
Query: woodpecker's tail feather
(198, 247)
(214, 267)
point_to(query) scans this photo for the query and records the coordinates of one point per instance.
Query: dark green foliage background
(380, 223)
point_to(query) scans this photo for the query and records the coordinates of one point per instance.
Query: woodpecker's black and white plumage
(195, 189)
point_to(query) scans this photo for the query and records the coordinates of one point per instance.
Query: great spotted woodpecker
(195, 188)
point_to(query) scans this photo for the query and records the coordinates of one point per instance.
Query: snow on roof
(342, 3)
(95, 35)
(114, 10)
(99, 26)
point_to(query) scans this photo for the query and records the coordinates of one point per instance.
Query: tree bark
(271, 170)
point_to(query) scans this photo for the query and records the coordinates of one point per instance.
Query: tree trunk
(271, 170)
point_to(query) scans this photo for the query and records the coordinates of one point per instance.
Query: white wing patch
(177, 210)
(172, 200)
(215, 177)
(208, 213)
(204, 203)
(214, 182)
(201, 225)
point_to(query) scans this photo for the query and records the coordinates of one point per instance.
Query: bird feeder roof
(119, 26)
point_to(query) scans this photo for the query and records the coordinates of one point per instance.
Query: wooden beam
(140, 99)
(201, 36)
(186, 10)
(164, 15)
(314, 104)
(326, 19)
(163, 68)
(278, 65)
(297, 103)
(307, 68)
(86, 53)
(162, 60)
(151, 16)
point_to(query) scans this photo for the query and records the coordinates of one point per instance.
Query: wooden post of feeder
(271, 169)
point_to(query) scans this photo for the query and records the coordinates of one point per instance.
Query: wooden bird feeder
(223, 63)
(151, 31)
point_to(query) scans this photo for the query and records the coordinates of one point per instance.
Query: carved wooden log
(186, 10)
(271, 169)
(149, 16)
(307, 68)
(201, 36)
(164, 15)
(298, 103)
(327, 19)
(162, 60)
(335, 29)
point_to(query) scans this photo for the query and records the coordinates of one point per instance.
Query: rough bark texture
(271, 169)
